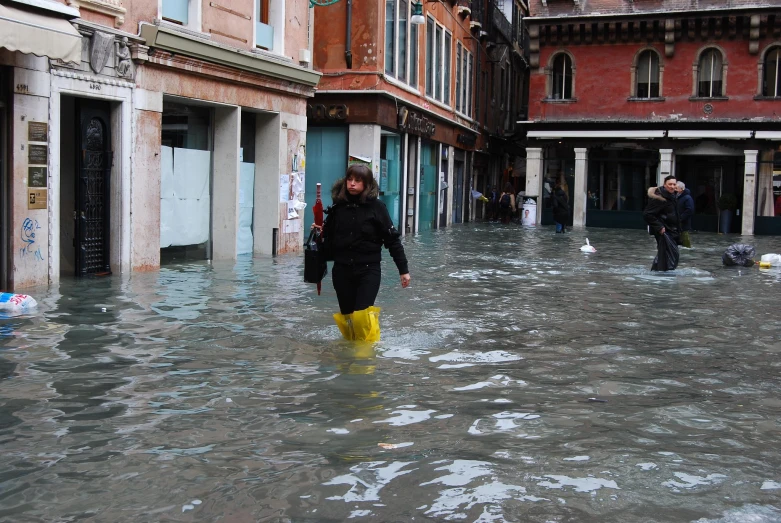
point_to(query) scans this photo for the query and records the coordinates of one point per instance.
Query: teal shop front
(326, 162)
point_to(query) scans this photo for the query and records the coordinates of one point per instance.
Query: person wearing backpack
(507, 203)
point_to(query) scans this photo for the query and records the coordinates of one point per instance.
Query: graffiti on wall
(29, 226)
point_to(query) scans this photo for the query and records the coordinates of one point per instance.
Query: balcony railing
(500, 23)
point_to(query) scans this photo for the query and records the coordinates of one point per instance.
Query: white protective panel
(244, 238)
(167, 222)
(192, 218)
(166, 172)
(191, 173)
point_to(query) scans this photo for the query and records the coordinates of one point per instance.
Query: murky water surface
(223, 393)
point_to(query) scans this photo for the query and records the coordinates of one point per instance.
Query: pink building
(134, 134)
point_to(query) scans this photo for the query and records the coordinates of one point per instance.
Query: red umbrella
(317, 209)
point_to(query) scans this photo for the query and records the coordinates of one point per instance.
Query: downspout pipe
(348, 53)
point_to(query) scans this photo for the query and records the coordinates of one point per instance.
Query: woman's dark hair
(508, 187)
(358, 172)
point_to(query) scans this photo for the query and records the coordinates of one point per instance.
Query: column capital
(533, 153)
(581, 153)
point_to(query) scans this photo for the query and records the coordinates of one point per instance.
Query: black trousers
(356, 286)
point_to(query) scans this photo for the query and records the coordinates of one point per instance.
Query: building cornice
(178, 43)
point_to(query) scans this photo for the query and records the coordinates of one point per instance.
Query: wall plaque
(37, 154)
(37, 132)
(36, 176)
(36, 198)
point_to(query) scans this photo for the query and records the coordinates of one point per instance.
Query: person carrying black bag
(356, 228)
(661, 215)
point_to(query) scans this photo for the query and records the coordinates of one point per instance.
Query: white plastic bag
(16, 302)
(772, 259)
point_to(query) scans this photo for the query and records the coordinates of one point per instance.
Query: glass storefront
(185, 183)
(390, 174)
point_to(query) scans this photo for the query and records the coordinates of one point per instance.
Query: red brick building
(621, 94)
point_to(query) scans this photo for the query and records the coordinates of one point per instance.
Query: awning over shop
(38, 34)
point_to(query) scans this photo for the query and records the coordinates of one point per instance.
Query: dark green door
(326, 162)
(428, 187)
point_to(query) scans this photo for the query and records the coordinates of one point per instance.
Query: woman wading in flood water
(355, 230)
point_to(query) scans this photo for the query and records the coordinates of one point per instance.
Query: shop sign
(36, 176)
(36, 198)
(415, 123)
(468, 140)
(327, 112)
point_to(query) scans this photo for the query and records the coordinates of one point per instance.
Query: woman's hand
(405, 278)
(319, 227)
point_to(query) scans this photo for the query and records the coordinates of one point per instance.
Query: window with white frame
(401, 42)
(181, 12)
(439, 53)
(710, 74)
(561, 77)
(264, 31)
(647, 85)
(464, 65)
(771, 77)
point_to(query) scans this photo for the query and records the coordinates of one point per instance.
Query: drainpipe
(348, 53)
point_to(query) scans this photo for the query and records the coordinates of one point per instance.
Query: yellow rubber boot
(345, 324)
(366, 324)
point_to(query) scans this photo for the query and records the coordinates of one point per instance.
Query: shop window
(430, 56)
(771, 77)
(401, 42)
(647, 75)
(710, 74)
(561, 75)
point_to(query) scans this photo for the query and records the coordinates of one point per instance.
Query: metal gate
(91, 237)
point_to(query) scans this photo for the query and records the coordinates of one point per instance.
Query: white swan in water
(587, 247)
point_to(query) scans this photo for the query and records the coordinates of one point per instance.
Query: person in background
(493, 204)
(685, 213)
(355, 230)
(661, 215)
(560, 205)
(507, 203)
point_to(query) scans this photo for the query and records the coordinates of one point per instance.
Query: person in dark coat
(661, 215)
(685, 213)
(560, 205)
(356, 228)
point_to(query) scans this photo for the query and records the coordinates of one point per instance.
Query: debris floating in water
(597, 400)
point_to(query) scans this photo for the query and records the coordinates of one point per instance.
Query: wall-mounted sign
(415, 123)
(36, 198)
(327, 112)
(37, 132)
(36, 176)
(468, 140)
(37, 154)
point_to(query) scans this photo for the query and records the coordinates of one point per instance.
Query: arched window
(771, 79)
(710, 74)
(561, 77)
(648, 75)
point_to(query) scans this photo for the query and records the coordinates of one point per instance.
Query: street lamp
(417, 14)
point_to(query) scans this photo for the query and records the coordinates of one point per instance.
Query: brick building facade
(622, 94)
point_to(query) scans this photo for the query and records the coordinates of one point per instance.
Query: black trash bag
(739, 254)
(315, 265)
(667, 254)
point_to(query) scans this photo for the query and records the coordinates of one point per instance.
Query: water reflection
(520, 379)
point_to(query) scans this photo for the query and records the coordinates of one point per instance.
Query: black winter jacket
(662, 211)
(560, 204)
(354, 232)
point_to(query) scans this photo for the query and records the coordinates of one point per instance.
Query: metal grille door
(92, 191)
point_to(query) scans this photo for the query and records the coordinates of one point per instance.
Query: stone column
(270, 162)
(749, 190)
(665, 165)
(579, 192)
(534, 177)
(225, 196)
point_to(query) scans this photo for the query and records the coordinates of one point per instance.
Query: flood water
(222, 392)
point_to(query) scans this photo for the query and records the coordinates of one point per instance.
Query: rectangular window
(264, 32)
(458, 77)
(438, 64)
(464, 99)
(448, 52)
(176, 11)
(469, 89)
(430, 57)
(413, 55)
(390, 36)
(403, 12)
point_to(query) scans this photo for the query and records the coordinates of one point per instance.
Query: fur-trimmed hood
(339, 190)
(659, 193)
